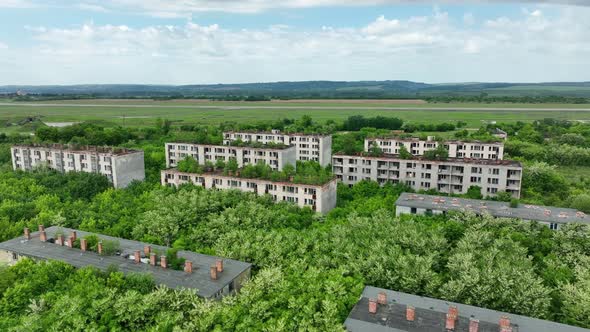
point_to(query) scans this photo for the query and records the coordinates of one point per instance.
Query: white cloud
(533, 47)
(17, 4)
(3, 46)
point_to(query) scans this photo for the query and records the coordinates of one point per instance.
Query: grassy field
(144, 112)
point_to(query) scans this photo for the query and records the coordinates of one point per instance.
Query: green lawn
(139, 115)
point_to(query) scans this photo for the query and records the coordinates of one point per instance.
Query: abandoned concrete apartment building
(315, 147)
(212, 277)
(121, 166)
(320, 197)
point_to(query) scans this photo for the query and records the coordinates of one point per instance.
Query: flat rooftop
(393, 137)
(199, 279)
(254, 146)
(275, 133)
(549, 214)
(467, 161)
(430, 316)
(79, 148)
(219, 174)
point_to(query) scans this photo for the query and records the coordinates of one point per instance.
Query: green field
(144, 112)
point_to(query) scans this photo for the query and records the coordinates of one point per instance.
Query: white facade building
(275, 157)
(314, 147)
(552, 217)
(457, 149)
(453, 176)
(120, 166)
(320, 198)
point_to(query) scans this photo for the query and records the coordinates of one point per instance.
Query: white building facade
(320, 198)
(452, 176)
(457, 149)
(120, 166)
(275, 157)
(314, 147)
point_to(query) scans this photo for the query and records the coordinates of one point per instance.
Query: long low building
(452, 176)
(212, 277)
(121, 166)
(551, 216)
(316, 147)
(383, 310)
(274, 156)
(320, 198)
(456, 149)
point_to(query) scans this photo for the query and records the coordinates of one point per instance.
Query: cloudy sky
(234, 41)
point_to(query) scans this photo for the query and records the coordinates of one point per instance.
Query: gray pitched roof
(430, 316)
(549, 214)
(199, 279)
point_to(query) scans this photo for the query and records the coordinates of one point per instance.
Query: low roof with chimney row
(550, 214)
(199, 279)
(430, 315)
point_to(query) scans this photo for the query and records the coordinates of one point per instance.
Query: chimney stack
(152, 258)
(41, 228)
(71, 241)
(147, 250)
(60, 240)
(100, 247)
(137, 256)
(372, 306)
(213, 272)
(219, 265)
(43, 236)
(473, 325)
(188, 267)
(410, 313)
(163, 262)
(27, 233)
(450, 323)
(83, 244)
(74, 235)
(505, 324)
(382, 298)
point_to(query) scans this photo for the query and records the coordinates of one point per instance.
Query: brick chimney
(505, 324)
(163, 262)
(41, 228)
(454, 311)
(213, 272)
(83, 244)
(219, 265)
(152, 258)
(372, 306)
(137, 256)
(27, 233)
(74, 235)
(71, 241)
(43, 236)
(450, 323)
(188, 267)
(100, 247)
(410, 313)
(60, 240)
(147, 250)
(382, 298)
(473, 325)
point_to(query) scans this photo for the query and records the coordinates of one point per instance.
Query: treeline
(487, 99)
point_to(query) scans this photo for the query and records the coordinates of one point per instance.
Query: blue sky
(205, 41)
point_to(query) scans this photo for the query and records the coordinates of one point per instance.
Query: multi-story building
(121, 166)
(452, 176)
(551, 216)
(210, 276)
(316, 147)
(275, 156)
(383, 310)
(457, 149)
(320, 198)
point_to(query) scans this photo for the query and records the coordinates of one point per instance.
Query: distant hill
(314, 89)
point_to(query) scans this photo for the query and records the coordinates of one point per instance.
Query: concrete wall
(128, 168)
(452, 177)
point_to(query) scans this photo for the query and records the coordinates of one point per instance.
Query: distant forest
(564, 92)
